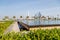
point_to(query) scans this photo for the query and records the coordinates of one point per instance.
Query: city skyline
(21, 7)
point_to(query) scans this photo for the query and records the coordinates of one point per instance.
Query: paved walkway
(13, 27)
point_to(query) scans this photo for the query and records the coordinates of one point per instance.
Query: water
(41, 22)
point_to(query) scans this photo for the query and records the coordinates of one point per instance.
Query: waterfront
(41, 22)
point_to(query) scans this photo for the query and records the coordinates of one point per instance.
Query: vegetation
(6, 17)
(4, 25)
(27, 17)
(14, 17)
(20, 16)
(53, 34)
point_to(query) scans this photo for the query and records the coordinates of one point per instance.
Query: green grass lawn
(4, 25)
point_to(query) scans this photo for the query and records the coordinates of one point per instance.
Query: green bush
(53, 34)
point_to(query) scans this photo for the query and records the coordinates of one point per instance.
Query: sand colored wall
(45, 27)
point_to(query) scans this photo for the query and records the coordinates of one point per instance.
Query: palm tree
(55, 18)
(20, 16)
(48, 18)
(27, 17)
(14, 17)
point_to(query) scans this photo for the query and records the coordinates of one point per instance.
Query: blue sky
(22, 7)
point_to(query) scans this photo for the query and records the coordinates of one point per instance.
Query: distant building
(37, 16)
(1, 19)
(43, 17)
